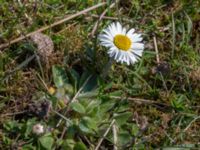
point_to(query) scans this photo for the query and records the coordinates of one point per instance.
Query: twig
(88, 141)
(164, 83)
(63, 133)
(115, 140)
(156, 49)
(52, 25)
(100, 18)
(104, 135)
(15, 113)
(170, 138)
(105, 17)
(43, 82)
(196, 118)
(62, 116)
(173, 35)
(112, 18)
(140, 100)
(61, 31)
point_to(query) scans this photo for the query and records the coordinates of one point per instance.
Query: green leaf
(68, 144)
(179, 102)
(176, 148)
(76, 106)
(74, 78)
(69, 89)
(54, 101)
(91, 123)
(71, 131)
(90, 105)
(122, 118)
(116, 93)
(80, 146)
(91, 84)
(13, 126)
(124, 137)
(59, 76)
(90, 52)
(83, 127)
(91, 94)
(28, 147)
(84, 77)
(28, 127)
(87, 125)
(107, 104)
(46, 142)
(135, 129)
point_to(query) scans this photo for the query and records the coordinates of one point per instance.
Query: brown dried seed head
(162, 67)
(38, 129)
(45, 46)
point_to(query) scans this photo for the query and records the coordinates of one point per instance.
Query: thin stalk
(173, 35)
(107, 68)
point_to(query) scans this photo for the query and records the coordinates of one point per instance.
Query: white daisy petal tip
(124, 46)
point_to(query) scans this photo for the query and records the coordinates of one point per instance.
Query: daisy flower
(124, 46)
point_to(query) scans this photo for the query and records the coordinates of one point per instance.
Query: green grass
(154, 106)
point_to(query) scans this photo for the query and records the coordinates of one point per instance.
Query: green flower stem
(107, 68)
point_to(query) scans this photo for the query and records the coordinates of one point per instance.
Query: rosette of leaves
(92, 110)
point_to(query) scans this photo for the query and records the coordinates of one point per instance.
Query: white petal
(112, 54)
(119, 28)
(130, 32)
(107, 31)
(128, 60)
(104, 40)
(112, 50)
(133, 54)
(138, 52)
(137, 46)
(121, 57)
(124, 59)
(113, 28)
(104, 37)
(123, 31)
(133, 58)
(135, 37)
(117, 55)
(113, 25)
(107, 44)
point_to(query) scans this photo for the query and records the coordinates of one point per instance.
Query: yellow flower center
(122, 42)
